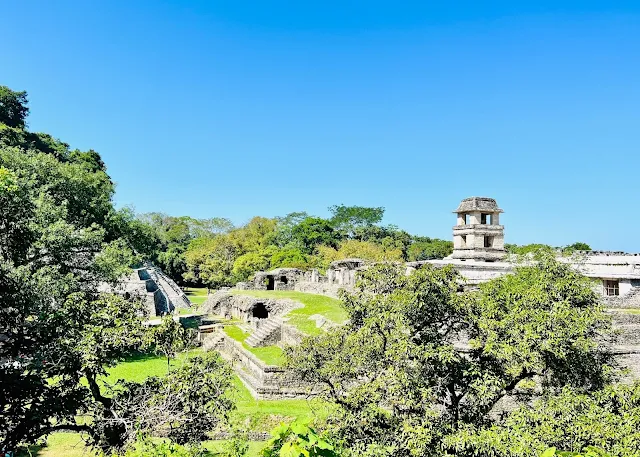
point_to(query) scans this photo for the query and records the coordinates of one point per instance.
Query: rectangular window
(463, 241)
(485, 219)
(611, 287)
(488, 241)
(467, 219)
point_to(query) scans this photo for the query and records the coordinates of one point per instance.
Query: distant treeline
(213, 252)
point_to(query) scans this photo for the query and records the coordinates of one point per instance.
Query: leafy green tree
(289, 258)
(210, 261)
(283, 235)
(579, 246)
(184, 405)
(247, 264)
(417, 360)
(350, 218)
(13, 107)
(572, 420)
(529, 249)
(427, 248)
(314, 231)
(58, 333)
(169, 339)
(298, 439)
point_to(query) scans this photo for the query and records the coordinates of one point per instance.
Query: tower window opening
(463, 240)
(488, 241)
(467, 219)
(486, 219)
(611, 287)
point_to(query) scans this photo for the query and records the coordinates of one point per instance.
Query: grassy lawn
(140, 367)
(197, 295)
(328, 307)
(271, 355)
(65, 444)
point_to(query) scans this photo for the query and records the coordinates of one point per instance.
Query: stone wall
(223, 303)
(263, 381)
(290, 336)
(320, 288)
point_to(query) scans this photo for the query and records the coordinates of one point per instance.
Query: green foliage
(184, 405)
(528, 249)
(314, 231)
(579, 246)
(402, 382)
(427, 249)
(146, 447)
(247, 264)
(13, 107)
(289, 258)
(298, 439)
(60, 237)
(350, 218)
(589, 451)
(169, 338)
(571, 420)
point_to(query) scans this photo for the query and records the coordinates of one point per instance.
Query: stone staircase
(267, 332)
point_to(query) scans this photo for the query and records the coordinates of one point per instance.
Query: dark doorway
(284, 280)
(270, 283)
(260, 311)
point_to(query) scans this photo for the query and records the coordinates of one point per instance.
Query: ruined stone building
(479, 255)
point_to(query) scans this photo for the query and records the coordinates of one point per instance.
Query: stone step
(266, 330)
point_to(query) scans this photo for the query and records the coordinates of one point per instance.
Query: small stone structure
(278, 279)
(160, 293)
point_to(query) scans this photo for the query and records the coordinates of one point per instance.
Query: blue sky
(235, 109)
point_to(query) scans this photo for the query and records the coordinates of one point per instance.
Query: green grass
(271, 355)
(140, 367)
(61, 444)
(66, 444)
(328, 307)
(197, 295)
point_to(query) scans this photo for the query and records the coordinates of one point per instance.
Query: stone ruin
(479, 256)
(160, 294)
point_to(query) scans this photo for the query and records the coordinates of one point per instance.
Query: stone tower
(478, 234)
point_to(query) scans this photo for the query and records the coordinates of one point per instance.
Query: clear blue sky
(235, 109)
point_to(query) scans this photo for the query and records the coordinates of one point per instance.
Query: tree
(289, 258)
(283, 235)
(13, 107)
(349, 218)
(210, 261)
(579, 246)
(60, 241)
(298, 439)
(571, 420)
(183, 406)
(247, 264)
(314, 231)
(417, 361)
(529, 249)
(169, 339)
(427, 249)
(362, 250)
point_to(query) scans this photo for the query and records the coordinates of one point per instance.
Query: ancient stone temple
(478, 235)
